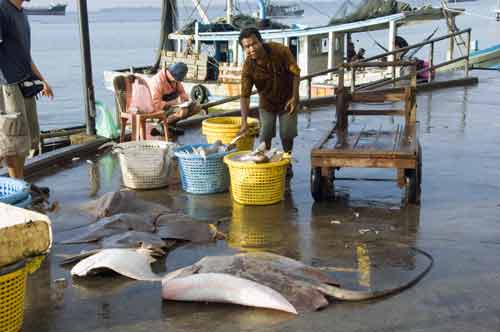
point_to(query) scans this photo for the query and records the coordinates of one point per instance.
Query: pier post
(88, 85)
(391, 45)
(331, 51)
(431, 62)
(451, 40)
(467, 53)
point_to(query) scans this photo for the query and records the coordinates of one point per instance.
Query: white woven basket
(145, 164)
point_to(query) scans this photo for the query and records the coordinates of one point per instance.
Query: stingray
(306, 288)
(115, 224)
(182, 227)
(123, 202)
(132, 263)
(134, 239)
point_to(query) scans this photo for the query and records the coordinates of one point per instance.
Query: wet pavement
(364, 236)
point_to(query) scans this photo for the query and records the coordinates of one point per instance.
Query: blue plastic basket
(199, 175)
(13, 191)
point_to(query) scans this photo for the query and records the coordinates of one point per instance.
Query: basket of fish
(257, 177)
(227, 128)
(202, 168)
(145, 164)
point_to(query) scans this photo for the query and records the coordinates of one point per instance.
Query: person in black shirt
(20, 82)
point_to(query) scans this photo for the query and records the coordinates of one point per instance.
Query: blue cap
(178, 70)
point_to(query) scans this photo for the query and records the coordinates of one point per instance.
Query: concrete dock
(364, 236)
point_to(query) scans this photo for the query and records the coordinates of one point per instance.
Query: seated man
(168, 93)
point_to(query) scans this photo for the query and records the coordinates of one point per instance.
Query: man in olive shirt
(273, 70)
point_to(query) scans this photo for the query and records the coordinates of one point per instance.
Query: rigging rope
(316, 9)
(469, 13)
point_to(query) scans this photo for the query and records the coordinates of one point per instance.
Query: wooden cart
(397, 148)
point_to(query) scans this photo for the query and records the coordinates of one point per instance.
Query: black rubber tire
(414, 180)
(199, 93)
(316, 184)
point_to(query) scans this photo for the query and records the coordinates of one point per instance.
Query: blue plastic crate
(199, 175)
(13, 191)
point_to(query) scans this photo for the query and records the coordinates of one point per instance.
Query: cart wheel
(321, 186)
(414, 180)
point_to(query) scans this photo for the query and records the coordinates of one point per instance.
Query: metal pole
(431, 62)
(88, 86)
(467, 54)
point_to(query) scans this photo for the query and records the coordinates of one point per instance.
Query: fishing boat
(58, 9)
(283, 11)
(215, 59)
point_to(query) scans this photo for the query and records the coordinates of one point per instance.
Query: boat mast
(229, 11)
(88, 85)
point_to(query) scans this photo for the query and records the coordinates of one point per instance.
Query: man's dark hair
(249, 32)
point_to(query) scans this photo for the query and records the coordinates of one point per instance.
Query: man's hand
(47, 90)
(243, 128)
(292, 105)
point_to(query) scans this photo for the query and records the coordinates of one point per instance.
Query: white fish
(132, 263)
(224, 288)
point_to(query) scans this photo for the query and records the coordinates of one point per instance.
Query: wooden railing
(393, 79)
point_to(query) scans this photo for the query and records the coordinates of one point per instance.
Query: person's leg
(15, 141)
(15, 166)
(267, 127)
(33, 126)
(288, 130)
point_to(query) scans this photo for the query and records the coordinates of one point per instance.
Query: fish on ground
(123, 202)
(111, 225)
(182, 227)
(306, 288)
(234, 290)
(132, 263)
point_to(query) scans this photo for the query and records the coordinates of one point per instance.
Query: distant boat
(52, 9)
(277, 11)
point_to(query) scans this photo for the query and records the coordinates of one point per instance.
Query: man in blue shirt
(19, 130)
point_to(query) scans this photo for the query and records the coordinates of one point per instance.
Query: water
(124, 37)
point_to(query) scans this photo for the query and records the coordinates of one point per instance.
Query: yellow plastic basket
(12, 291)
(256, 184)
(226, 128)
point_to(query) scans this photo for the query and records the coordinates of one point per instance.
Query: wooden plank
(435, 85)
(397, 137)
(325, 137)
(377, 136)
(376, 112)
(379, 96)
(356, 141)
(53, 158)
(362, 153)
(381, 64)
(363, 162)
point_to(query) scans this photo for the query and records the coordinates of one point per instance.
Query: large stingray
(123, 202)
(114, 224)
(305, 287)
(133, 239)
(182, 227)
(132, 263)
